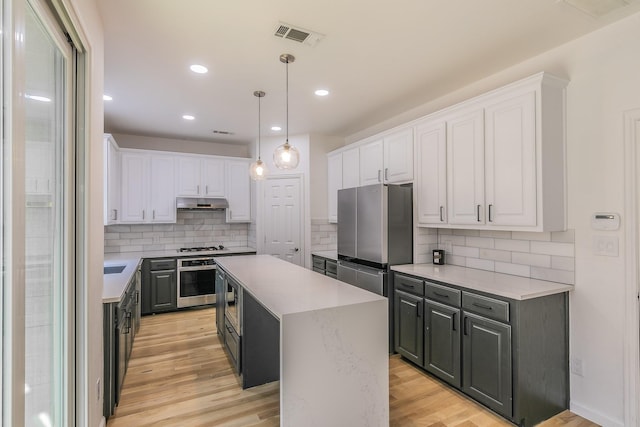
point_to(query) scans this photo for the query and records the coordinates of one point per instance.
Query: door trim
(632, 262)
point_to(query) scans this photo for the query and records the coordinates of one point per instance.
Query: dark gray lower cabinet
(510, 355)
(163, 290)
(409, 326)
(487, 362)
(220, 287)
(442, 341)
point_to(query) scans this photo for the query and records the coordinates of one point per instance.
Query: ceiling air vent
(222, 132)
(297, 34)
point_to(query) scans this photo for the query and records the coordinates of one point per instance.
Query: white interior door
(283, 214)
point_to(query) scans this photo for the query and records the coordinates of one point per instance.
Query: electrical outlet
(98, 389)
(576, 366)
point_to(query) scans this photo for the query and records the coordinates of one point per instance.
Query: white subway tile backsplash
(455, 260)
(563, 263)
(480, 242)
(466, 232)
(552, 248)
(190, 229)
(515, 269)
(512, 245)
(537, 260)
(496, 234)
(466, 251)
(495, 255)
(528, 235)
(480, 264)
(454, 240)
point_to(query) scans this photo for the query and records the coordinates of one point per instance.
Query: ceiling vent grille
(222, 132)
(297, 34)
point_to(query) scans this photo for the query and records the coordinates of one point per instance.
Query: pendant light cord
(287, 83)
(259, 99)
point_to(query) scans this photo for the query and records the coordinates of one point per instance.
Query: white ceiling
(378, 58)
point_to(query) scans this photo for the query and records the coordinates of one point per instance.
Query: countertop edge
(535, 288)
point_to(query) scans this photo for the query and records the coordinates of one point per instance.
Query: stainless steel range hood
(203, 204)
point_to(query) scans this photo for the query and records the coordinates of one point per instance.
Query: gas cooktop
(202, 248)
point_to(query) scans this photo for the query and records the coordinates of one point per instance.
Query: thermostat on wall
(605, 221)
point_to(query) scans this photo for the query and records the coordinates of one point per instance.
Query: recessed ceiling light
(38, 98)
(322, 92)
(200, 69)
(107, 97)
(188, 117)
(276, 128)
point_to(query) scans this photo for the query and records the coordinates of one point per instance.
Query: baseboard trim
(595, 416)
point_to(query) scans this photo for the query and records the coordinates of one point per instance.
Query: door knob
(295, 249)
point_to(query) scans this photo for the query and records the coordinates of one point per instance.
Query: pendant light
(286, 156)
(258, 170)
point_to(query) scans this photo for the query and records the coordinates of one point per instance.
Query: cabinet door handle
(379, 175)
(115, 214)
(154, 213)
(465, 323)
(453, 321)
(386, 174)
(143, 214)
(198, 189)
(490, 216)
(485, 307)
(441, 294)
(441, 213)
(478, 212)
(137, 297)
(419, 305)
(206, 189)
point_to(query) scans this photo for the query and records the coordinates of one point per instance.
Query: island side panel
(334, 367)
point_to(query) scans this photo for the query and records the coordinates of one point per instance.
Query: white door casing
(283, 219)
(632, 262)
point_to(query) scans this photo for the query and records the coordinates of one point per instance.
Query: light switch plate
(606, 245)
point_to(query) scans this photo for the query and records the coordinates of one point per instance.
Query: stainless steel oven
(196, 281)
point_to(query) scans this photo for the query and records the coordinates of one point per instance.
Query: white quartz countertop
(115, 284)
(327, 254)
(285, 288)
(504, 285)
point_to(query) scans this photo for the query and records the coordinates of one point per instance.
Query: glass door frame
(14, 212)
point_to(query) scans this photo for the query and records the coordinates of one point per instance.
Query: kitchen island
(334, 367)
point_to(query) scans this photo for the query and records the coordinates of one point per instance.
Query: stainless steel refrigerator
(375, 230)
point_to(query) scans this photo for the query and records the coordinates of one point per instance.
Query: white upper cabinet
(200, 177)
(148, 187)
(430, 187)
(111, 181)
(398, 157)
(334, 183)
(505, 160)
(387, 160)
(350, 168)
(510, 153)
(238, 190)
(371, 162)
(465, 167)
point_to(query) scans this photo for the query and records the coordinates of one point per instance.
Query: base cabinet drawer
(232, 342)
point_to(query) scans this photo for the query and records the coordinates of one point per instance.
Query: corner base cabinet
(510, 355)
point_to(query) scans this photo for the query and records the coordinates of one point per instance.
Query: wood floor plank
(179, 375)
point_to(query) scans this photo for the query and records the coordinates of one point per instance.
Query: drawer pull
(486, 307)
(440, 294)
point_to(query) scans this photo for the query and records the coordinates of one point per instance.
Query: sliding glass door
(38, 219)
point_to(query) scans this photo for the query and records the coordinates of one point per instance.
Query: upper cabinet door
(111, 181)
(510, 153)
(465, 168)
(398, 157)
(134, 187)
(213, 184)
(238, 191)
(162, 203)
(351, 168)
(431, 175)
(371, 157)
(334, 183)
(189, 176)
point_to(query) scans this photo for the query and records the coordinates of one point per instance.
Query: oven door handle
(198, 268)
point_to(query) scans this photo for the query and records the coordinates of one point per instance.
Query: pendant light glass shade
(286, 156)
(258, 170)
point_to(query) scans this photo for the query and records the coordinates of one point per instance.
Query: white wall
(319, 146)
(181, 145)
(604, 73)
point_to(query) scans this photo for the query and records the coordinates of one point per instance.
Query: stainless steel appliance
(375, 230)
(201, 204)
(196, 281)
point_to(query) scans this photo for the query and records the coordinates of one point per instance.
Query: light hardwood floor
(179, 375)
